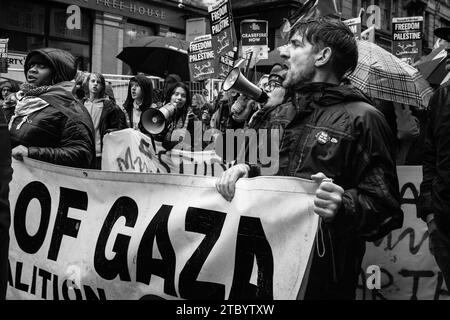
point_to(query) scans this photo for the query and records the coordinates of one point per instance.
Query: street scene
(220, 150)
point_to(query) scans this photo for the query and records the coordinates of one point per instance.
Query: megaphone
(236, 81)
(155, 120)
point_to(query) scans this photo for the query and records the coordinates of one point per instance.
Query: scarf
(32, 90)
(28, 102)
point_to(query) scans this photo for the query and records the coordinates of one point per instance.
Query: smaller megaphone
(155, 120)
(236, 81)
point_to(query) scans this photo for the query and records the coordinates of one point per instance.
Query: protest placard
(254, 34)
(223, 37)
(201, 58)
(408, 270)
(407, 38)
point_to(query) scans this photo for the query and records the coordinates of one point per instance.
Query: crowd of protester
(60, 115)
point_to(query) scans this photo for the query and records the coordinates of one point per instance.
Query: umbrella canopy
(432, 66)
(158, 56)
(265, 65)
(382, 75)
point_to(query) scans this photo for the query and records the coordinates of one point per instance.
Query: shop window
(19, 15)
(22, 42)
(356, 5)
(80, 51)
(134, 32)
(174, 33)
(445, 22)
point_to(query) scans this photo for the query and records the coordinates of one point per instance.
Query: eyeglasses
(272, 85)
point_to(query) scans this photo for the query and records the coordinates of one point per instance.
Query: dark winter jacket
(435, 187)
(272, 121)
(223, 120)
(5, 219)
(336, 131)
(61, 133)
(112, 118)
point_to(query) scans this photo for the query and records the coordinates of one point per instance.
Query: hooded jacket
(337, 131)
(61, 62)
(61, 133)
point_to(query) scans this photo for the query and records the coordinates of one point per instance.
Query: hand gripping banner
(88, 234)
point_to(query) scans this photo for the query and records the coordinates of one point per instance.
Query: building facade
(436, 13)
(106, 26)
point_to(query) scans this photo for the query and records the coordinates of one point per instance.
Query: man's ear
(323, 56)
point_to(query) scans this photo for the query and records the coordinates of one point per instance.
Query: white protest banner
(408, 270)
(89, 234)
(130, 150)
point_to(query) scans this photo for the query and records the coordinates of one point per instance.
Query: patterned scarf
(32, 90)
(28, 102)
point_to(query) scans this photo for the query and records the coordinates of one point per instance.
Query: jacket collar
(307, 97)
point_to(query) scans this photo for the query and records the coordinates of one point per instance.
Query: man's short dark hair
(330, 32)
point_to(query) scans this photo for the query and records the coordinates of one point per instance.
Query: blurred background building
(106, 27)
(109, 25)
(436, 13)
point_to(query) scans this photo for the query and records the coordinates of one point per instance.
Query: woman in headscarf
(139, 99)
(48, 123)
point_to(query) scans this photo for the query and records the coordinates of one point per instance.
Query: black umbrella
(158, 56)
